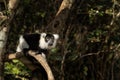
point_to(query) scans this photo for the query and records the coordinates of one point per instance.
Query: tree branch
(44, 63)
(20, 56)
(65, 4)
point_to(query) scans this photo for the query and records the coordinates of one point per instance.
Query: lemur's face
(49, 38)
(48, 41)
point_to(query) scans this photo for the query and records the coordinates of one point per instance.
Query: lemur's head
(48, 41)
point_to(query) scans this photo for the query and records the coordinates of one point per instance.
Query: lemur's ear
(56, 36)
(43, 35)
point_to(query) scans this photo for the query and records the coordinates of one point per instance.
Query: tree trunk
(59, 22)
(59, 25)
(3, 38)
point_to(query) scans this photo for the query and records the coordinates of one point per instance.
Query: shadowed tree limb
(20, 56)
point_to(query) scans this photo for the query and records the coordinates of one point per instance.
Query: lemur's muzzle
(50, 44)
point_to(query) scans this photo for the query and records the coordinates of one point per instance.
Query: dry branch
(2, 18)
(65, 4)
(44, 63)
(20, 56)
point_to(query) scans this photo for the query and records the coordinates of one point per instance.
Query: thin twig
(89, 54)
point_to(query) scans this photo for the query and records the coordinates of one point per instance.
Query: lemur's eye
(47, 39)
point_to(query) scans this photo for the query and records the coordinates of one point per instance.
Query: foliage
(16, 69)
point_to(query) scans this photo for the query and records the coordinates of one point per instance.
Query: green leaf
(85, 70)
(15, 61)
(43, 14)
(73, 57)
(16, 70)
(54, 50)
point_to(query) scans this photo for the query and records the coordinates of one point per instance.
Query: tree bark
(3, 40)
(44, 63)
(59, 22)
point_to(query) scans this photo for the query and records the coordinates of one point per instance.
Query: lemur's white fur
(42, 43)
(56, 36)
(22, 44)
